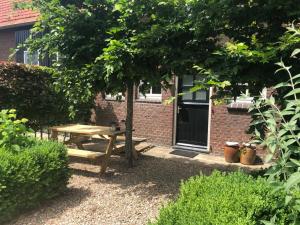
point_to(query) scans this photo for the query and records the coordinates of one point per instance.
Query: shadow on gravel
(150, 176)
(54, 207)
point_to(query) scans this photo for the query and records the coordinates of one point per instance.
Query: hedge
(29, 89)
(31, 176)
(235, 199)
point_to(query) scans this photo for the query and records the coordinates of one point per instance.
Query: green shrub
(31, 176)
(220, 199)
(13, 132)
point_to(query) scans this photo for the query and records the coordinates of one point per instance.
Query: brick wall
(228, 124)
(152, 120)
(7, 41)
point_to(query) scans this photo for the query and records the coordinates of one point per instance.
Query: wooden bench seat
(119, 138)
(134, 139)
(84, 153)
(139, 146)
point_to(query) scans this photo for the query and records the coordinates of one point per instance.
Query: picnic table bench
(79, 133)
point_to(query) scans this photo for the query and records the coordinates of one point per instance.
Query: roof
(10, 17)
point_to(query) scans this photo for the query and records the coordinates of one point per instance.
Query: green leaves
(294, 180)
(293, 92)
(13, 132)
(34, 174)
(295, 52)
(232, 198)
(281, 125)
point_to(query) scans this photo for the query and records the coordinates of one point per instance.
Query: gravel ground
(124, 196)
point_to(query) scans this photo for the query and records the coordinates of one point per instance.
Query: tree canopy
(108, 42)
(248, 39)
(112, 45)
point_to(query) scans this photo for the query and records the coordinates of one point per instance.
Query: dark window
(21, 36)
(156, 89)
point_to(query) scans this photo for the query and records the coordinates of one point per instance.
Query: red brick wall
(152, 120)
(7, 41)
(228, 125)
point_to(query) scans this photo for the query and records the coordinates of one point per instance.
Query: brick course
(228, 124)
(152, 120)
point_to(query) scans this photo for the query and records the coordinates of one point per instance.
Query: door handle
(178, 109)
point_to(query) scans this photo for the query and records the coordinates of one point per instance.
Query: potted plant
(231, 152)
(247, 154)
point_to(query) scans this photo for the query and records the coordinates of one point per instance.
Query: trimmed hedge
(31, 176)
(30, 90)
(235, 199)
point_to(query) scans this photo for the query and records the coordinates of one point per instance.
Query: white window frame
(114, 97)
(149, 95)
(246, 98)
(25, 57)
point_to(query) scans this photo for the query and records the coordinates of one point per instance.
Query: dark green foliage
(30, 90)
(244, 40)
(31, 176)
(235, 199)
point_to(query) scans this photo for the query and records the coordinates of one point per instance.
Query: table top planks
(86, 129)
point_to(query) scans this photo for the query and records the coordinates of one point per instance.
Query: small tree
(111, 46)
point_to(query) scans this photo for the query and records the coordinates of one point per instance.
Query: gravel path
(124, 196)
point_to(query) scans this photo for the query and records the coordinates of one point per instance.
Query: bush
(13, 132)
(235, 199)
(30, 90)
(31, 176)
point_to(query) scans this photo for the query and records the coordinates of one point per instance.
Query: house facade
(191, 122)
(14, 30)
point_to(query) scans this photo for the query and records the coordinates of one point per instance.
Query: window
(247, 98)
(31, 58)
(153, 94)
(118, 96)
(185, 84)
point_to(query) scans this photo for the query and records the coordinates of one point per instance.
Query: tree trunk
(129, 119)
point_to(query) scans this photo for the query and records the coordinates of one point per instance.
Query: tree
(243, 39)
(111, 46)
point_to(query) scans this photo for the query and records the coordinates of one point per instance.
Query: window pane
(201, 95)
(31, 58)
(187, 97)
(187, 80)
(156, 89)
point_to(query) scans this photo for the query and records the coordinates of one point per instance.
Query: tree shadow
(150, 177)
(53, 208)
(104, 114)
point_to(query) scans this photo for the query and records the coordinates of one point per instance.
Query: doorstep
(209, 160)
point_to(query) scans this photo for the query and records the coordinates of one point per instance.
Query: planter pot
(248, 155)
(231, 152)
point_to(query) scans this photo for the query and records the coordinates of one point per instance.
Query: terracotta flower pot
(231, 152)
(248, 155)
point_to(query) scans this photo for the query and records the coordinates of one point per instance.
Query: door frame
(175, 105)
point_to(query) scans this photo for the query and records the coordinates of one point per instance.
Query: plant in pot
(247, 154)
(232, 152)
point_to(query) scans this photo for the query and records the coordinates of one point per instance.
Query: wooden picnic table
(79, 133)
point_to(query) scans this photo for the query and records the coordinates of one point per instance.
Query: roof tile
(11, 17)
